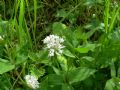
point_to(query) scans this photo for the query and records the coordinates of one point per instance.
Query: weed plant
(59, 44)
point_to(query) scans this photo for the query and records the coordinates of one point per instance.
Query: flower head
(32, 81)
(54, 44)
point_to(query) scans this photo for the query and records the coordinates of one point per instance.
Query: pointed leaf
(80, 74)
(5, 67)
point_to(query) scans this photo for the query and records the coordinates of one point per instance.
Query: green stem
(19, 77)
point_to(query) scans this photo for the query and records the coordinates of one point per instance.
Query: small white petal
(54, 43)
(51, 52)
(32, 81)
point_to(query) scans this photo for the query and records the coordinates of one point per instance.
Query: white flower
(54, 44)
(51, 52)
(32, 81)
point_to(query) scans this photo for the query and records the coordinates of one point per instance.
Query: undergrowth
(60, 44)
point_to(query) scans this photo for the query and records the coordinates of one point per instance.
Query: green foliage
(112, 84)
(85, 49)
(5, 82)
(79, 74)
(90, 59)
(5, 66)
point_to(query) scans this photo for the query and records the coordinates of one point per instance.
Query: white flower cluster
(32, 81)
(54, 44)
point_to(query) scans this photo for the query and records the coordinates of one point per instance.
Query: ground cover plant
(59, 45)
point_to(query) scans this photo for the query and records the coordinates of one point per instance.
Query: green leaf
(113, 84)
(5, 67)
(67, 87)
(20, 58)
(46, 86)
(106, 14)
(80, 74)
(68, 53)
(41, 56)
(57, 71)
(89, 34)
(21, 15)
(115, 13)
(59, 28)
(38, 72)
(78, 33)
(110, 85)
(63, 62)
(54, 79)
(52, 82)
(82, 49)
(86, 48)
(87, 58)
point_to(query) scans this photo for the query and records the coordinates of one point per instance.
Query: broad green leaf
(113, 84)
(80, 74)
(82, 49)
(68, 53)
(110, 85)
(86, 48)
(5, 67)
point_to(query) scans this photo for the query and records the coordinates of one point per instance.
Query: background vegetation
(91, 57)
